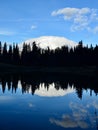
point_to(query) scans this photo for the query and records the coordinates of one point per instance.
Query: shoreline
(72, 70)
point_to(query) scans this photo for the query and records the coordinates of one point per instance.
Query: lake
(48, 103)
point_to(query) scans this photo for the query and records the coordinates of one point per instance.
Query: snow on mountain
(51, 41)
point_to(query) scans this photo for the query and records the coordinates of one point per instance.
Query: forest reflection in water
(33, 83)
(48, 102)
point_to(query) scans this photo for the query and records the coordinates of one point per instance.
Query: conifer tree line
(31, 84)
(32, 55)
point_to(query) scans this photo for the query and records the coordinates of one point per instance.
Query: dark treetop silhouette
(35, 56)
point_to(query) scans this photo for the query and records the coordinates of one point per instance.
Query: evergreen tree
(4, 54)
(0, 48)
(10, 54)
(16, 55)
(0, 52)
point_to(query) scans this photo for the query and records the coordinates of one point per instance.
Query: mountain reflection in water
(49, 86)
(48, 102)
(52, 91)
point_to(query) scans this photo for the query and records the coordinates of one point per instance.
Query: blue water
(48, 109)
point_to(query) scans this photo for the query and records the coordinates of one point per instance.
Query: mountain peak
(52, 42)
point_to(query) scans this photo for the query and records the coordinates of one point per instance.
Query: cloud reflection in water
(81, 116)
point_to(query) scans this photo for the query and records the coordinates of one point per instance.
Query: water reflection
(48, 86)
(48, 102)
(51, 91)
(79, 118)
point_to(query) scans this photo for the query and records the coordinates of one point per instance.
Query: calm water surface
(46, 106)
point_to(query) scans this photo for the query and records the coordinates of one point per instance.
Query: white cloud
(6, 33)
(70, 13)
(95, 29)
(80, 18)
(33, 27)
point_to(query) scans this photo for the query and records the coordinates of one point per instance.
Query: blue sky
(24, 19)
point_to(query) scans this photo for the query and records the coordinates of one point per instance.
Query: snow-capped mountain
(51, 41)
